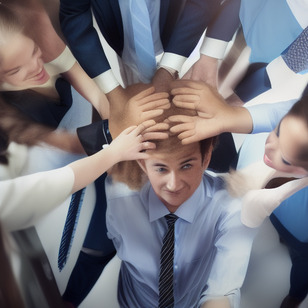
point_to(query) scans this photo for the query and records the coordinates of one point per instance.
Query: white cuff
(63, 63)
(106, 81)
(172, 60)
(213, 48)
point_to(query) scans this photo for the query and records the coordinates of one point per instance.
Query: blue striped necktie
(166, 299)
(70, 227)
(137, 29)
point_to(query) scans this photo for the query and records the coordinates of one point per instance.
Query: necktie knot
(171, 219)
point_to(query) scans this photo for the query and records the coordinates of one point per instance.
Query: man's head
(175, 170)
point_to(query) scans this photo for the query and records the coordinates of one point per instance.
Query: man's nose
(173, 181)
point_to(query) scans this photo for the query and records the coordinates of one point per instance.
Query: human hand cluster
(132, 143)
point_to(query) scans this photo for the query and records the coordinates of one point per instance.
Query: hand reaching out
(132, 143)
(210, 108)
(213, 115)
(144, 106)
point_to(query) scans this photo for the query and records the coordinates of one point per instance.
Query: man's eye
(13, 72)
(161, 169)
(187, 166)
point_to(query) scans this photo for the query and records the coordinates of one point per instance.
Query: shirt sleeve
(266, 117)
(233, 246)
(25, 199)
(222, 29)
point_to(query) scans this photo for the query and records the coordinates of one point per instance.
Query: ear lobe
(141, 163)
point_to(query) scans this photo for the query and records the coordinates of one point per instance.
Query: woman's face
(283, 144)
(21, 62)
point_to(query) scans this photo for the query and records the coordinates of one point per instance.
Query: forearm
(88, 169)
(77, 27)
(85, 86)
(237, 120)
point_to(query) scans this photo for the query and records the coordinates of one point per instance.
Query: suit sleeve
(221, 29)
(82, 38)
(194, 18)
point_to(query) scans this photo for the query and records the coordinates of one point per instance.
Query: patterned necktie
(296, 55)
(138, 29)
(70, 227)
(166, 298)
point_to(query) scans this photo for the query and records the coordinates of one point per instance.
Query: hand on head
(210, 107)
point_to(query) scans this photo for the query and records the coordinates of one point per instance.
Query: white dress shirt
(212, 247)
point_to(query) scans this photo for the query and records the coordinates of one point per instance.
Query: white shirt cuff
(213, 48)
(63, 63)
(172, 60)
(106, 81)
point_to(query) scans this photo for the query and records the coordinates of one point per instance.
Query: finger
(157, 127)
(176, 129)
(180, 118)
(144, 93)
(143, 126)
(183, 91)
(161, 103)
(153, 97)
(129, 129)
(147, 115)
(190, 140)
(155, 135)
(187, 134)
(186, 101)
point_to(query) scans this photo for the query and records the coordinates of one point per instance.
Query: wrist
(173, 72)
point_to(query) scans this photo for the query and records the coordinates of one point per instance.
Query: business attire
(179, 26)
(273, 38)
(208, 238)
(290, 217)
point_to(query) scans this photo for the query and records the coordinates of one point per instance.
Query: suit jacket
(182, 23)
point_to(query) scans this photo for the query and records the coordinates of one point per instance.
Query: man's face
(175, 176)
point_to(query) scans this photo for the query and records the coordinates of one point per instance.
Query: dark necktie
(166, 265)
(69, 227)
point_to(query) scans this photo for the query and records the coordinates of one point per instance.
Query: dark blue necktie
(166, 299)
(70, 227)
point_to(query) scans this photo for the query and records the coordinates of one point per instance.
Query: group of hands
(132, 124)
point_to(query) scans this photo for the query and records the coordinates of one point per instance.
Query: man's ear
(141, 163)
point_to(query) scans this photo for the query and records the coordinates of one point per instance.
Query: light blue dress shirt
(212, 246)
(269, 28)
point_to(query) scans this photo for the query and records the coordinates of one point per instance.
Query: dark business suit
(182, 23)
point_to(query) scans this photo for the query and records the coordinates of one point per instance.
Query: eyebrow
(182, 163)
(17, 67)
(278, 129)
